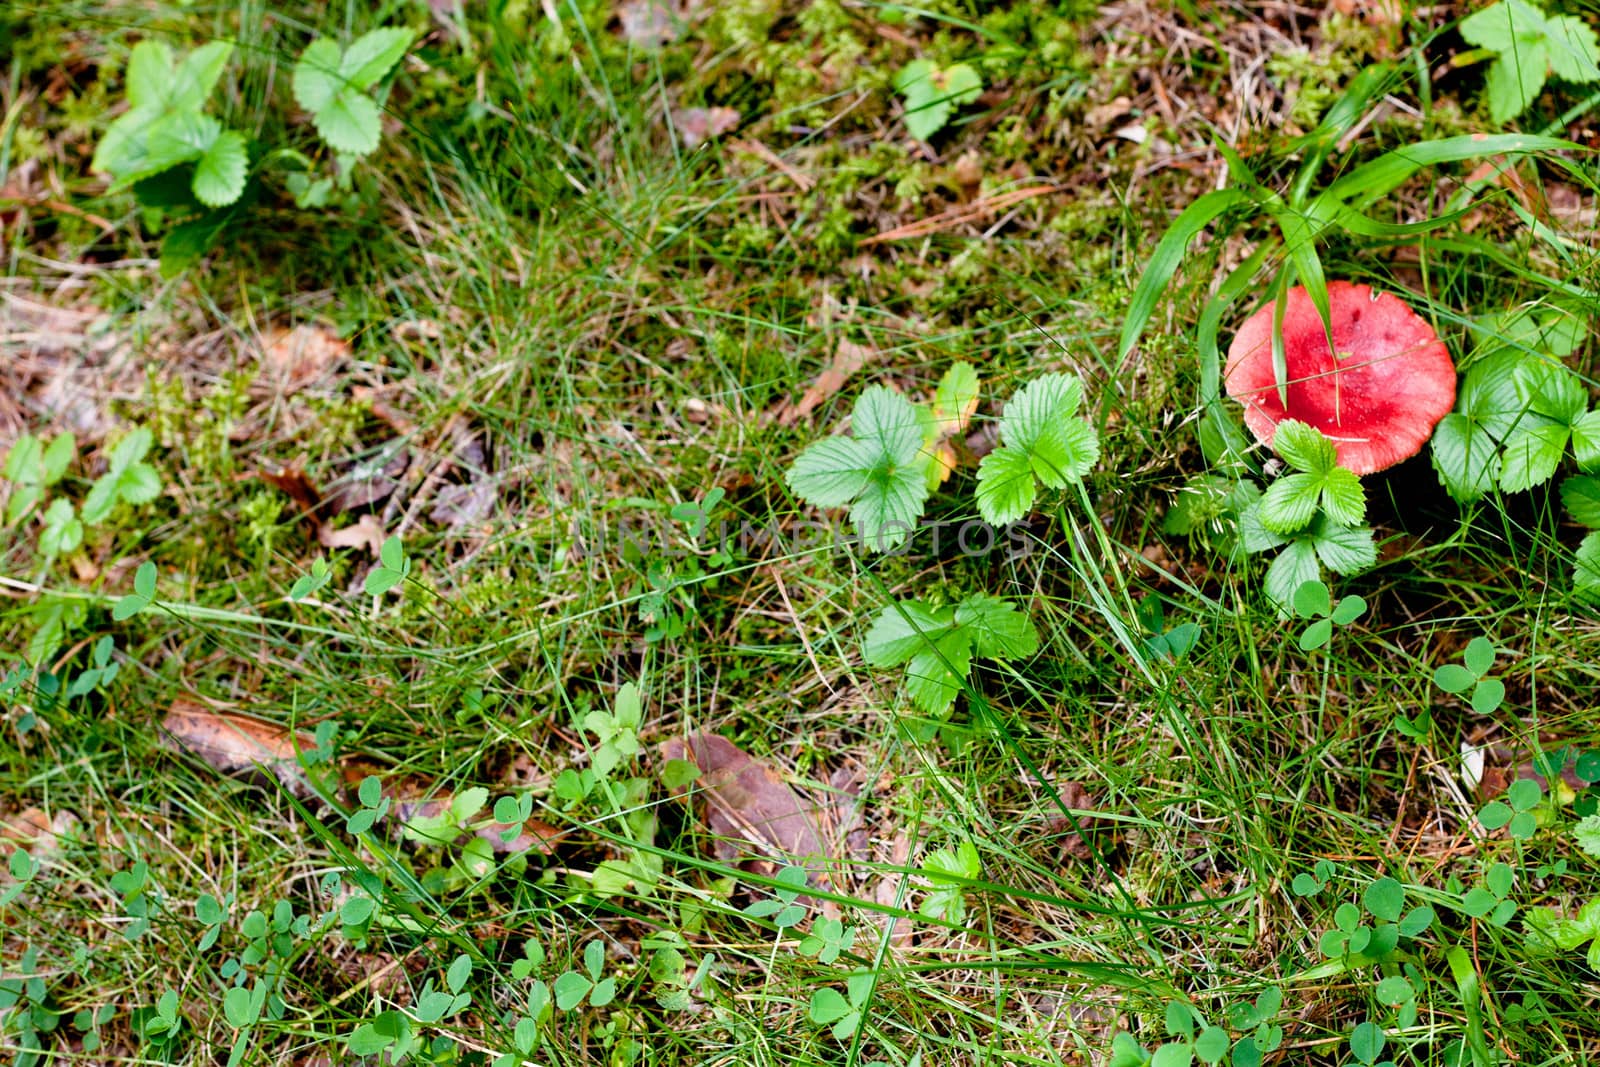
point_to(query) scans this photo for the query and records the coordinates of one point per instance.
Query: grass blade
(1168, 255)
(1371, 181)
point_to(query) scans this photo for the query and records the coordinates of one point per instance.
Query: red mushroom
(1377, 399)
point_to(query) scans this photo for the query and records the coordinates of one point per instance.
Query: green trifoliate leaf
(1344, 549)
(1294, 566)
(1531, 455)
(931, 94)
(998, 629)
(1581, 495)
(374, 54)
(1586, 567)
(128, 479)
(1041, 439)
(1303, 448)
(901, 631)
(1586, 440)
(219, 174)
(1466, 457)
(1006, 487)
(1289, 503)
(329, 84)
(63, 530)
(879, 469)
(1574, 52)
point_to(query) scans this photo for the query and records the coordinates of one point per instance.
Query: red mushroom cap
(1378, 402)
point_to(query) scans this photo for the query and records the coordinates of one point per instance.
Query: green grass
(610, 316)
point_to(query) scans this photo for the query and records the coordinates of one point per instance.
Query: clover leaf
(1312, 601)
(932, 94)
(393, 567)
(1472, 673)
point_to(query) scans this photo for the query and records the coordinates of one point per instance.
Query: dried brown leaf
(848, 358)
(1077, 798)
(37, 832)
(412, 802)
(697, 125)
(464, 505)
(297, 485)
(888, 892)
(231, 743)
(649, 23)
(367, 484)
(295, 357)
(378, 400)
(748, 806)
(417, 330)
(366, 532)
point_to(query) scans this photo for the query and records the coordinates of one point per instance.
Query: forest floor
(444, 667)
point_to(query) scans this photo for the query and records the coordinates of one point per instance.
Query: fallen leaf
(848, 358)
(464, 505)
(37, 832)
(1078, 799)
(368, 483)
(293, 358)
(1100, 116)
(697, 125)
(378, 401)
(648, 23)
(231, 743)
(366, 532)
(417, 330)
(749, 807)
(410, 803)
(297, 485)
(888, 893)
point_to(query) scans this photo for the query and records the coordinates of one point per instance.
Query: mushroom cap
(1378, 402)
